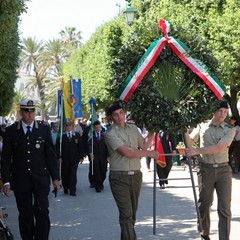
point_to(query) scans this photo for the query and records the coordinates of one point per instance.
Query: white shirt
(24, 125)
(70, 134)
(98, 134)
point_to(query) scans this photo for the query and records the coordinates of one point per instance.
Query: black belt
(132, 172)
(213, 165)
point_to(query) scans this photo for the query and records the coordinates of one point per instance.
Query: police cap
(27, 105)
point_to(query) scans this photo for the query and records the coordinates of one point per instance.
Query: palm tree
(71, 39)
(44, 64)
(53, 57)
(31, 49)
(69, 34)
(19, 95)
(30, 63)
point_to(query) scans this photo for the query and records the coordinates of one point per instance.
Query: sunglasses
(67, 125)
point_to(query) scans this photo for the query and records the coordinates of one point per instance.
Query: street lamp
(119, 7)
(130, 13)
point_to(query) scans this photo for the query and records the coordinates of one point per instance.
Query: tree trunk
(42, 96)
(233, 100)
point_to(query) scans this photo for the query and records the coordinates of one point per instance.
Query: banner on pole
(59, 103)
(77, 93)
(68, 106)
(94, 117)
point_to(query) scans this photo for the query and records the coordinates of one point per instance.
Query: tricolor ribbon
(182, 51)
(140, 70)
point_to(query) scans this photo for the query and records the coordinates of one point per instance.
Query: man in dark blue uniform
(28, 164)
(98, 154)
(86, 130)
(70, 155)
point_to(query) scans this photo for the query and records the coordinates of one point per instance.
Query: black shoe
(73, 194)
(65, 191)
(205, 237)
(235, 170)
(98, 189)
(162, 186)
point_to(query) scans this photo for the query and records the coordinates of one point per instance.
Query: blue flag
(77, 86)
(59, 103)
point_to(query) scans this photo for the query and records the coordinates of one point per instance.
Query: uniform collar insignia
(36, 125)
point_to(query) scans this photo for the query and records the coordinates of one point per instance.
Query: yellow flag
(68, 105)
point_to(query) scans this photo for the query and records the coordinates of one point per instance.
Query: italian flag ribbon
(140, 70)
(182, 51)
(198, 67)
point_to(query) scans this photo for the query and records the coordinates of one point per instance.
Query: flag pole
(92, 134)
(60, 140)
(193, 187)
(155, 187)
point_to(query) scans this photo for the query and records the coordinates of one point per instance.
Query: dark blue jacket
(27, 164)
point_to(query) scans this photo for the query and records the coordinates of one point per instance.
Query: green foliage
(209, 30)
(94, 61)
(9, 50)
(71, 39)
(208, 27)
(169, 81)
(215, 25)
(168, 97)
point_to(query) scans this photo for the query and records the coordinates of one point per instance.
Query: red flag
(161, 161)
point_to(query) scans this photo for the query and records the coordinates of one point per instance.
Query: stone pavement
(94, 216)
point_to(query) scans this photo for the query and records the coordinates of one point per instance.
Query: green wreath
(171, 97)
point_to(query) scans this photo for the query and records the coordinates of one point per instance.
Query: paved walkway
(94, 216)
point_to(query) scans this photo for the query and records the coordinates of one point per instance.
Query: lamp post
(130, 13)
(119, 7)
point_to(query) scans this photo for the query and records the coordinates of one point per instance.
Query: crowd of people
(45, 152)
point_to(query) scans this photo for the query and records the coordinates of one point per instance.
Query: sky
(46, 18)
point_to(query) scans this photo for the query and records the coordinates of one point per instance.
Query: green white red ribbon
(140, 70)
(182, 51)
(198, 67)
(165, 26)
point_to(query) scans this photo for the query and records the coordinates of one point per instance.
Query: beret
(223, 104)
(113, 107)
